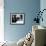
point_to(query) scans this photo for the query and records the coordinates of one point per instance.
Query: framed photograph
(17, 18)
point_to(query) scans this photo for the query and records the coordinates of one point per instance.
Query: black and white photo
(17, 18)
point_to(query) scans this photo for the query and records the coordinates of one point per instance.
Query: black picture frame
(17, 18)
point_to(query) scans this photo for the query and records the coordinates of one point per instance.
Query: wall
(43, 6)
(29, 7)
(1, 21)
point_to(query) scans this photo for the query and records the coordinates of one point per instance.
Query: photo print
(17, 18)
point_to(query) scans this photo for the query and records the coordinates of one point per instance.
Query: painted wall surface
(29, 7)
(1, 21)
(43, 6)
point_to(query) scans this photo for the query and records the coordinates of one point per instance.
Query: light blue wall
(43, 6)
(29, 7)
